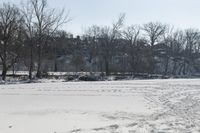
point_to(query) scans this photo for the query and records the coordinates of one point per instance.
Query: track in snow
(157, 106)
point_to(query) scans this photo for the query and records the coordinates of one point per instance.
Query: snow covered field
(140, 106)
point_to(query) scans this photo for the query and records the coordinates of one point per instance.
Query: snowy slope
(141, 106)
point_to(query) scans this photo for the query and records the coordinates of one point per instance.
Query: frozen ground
(140, 106)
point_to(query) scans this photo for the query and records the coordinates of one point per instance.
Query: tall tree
(154, 32)
(10, 24)
(107, 37)
(192, 37)
(131, 34)
(46, 21)
(28, 16)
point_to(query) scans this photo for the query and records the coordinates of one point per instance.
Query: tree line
(31, 34)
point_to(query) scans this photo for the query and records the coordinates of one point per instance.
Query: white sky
(180, 13)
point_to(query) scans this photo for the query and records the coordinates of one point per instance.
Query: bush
(88, 78)
(71, 78)
(121, 77)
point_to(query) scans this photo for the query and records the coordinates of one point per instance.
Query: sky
(179, 13)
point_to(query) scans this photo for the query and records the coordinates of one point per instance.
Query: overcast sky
(180, 13)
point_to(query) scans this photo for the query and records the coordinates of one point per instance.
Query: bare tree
(28, 16)
(131, 34)
(10, 22)
(106, 38)
(46, 22)
(92, 36)
(176, 42)
(192, 37)
(57, 40)
(154, 31)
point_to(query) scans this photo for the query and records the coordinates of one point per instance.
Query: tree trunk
(4, 71)
(31, 63)
(166, 65)
(13, 69)
(174, 68)
(38, 75)
(133, 68)
(4, 61)
(107, 67)
(184, 68)
(55, 59)
(55, 66)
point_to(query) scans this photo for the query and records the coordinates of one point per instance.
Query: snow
(141, 106)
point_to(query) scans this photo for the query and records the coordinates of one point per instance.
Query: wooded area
(32, 39)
